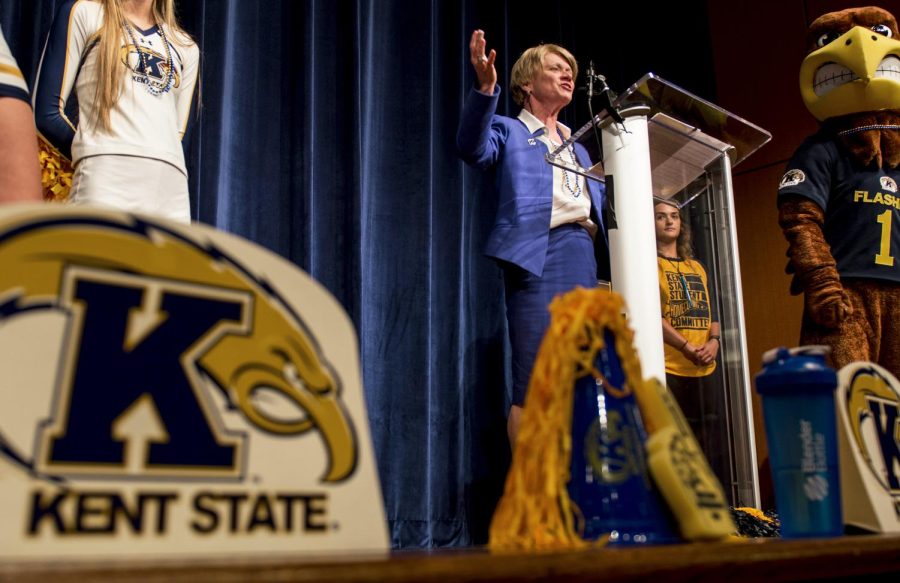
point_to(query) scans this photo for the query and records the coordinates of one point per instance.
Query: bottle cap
(812, 350)
(796, 370)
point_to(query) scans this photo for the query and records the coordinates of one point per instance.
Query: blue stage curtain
(326, 134)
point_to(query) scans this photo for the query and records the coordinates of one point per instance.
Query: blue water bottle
(609, 481)
(797, 389)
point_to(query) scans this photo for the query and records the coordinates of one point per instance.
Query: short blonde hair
(531, 61)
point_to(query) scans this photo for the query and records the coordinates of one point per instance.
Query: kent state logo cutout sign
(169, 389)
(868, 398)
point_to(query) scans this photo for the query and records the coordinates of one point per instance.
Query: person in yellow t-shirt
(690, 333)
(690, 324)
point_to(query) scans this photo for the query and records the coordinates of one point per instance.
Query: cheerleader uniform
(138, 165)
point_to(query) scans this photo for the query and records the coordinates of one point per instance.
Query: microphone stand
(606, 96)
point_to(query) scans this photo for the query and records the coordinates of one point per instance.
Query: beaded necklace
(874, 126)
(576, 190)
(155, 88)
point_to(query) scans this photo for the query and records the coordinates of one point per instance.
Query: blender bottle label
(816, 488)
(812, 462)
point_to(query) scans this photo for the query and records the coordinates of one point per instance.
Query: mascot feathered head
(850, 81)
(853, 64)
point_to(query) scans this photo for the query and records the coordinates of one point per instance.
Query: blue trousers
(570, 263)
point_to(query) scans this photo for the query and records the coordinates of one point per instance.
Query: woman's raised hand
(483, 63)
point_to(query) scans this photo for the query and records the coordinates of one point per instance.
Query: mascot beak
(858, 71)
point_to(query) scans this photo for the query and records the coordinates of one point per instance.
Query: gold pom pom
(56, 172)
(535, 512)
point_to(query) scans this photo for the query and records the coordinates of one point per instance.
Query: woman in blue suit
(548, 235)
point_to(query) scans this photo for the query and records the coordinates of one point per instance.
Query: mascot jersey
(862, 207)
(143, 124)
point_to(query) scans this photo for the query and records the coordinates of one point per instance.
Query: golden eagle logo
(134, 57)
(156, 316)
(873, 408)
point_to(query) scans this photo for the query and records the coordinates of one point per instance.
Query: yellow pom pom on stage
(536, 512)
(56, 172)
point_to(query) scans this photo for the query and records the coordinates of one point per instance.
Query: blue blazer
(524, 180)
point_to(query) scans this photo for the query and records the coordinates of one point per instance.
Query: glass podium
(675, 146)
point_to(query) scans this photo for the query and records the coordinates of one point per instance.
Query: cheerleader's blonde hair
(111, 60)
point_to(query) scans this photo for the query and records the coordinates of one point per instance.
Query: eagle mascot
(838, 202)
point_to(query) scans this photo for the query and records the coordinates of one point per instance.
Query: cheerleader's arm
(58, 70)
(188, 94)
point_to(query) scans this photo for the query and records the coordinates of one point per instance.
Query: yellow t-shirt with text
(687, 306)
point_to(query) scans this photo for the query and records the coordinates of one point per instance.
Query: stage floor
(756, 560)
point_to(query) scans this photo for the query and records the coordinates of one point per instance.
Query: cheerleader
(114, 94)
(19, 175)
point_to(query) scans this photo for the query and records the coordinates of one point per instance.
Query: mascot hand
(816, 274)
(826, 301)
(801, 220)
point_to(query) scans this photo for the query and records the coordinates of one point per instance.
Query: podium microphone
(606, 98)
(604, 93)
(590, 80)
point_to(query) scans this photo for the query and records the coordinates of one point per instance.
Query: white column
(632, 244)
